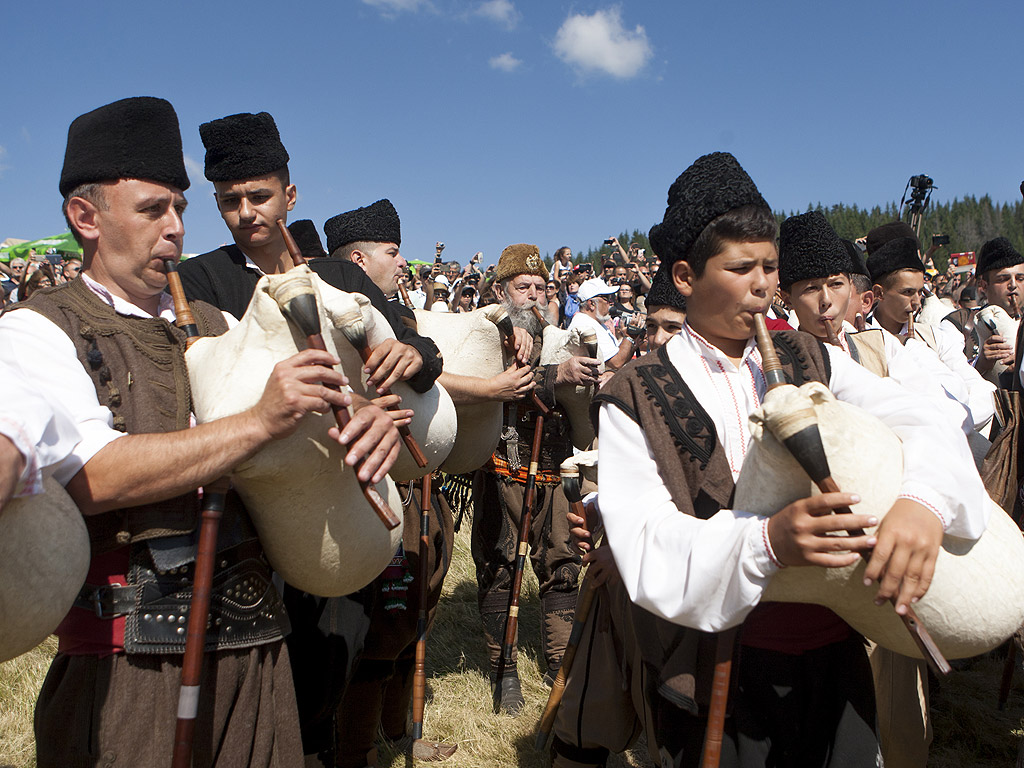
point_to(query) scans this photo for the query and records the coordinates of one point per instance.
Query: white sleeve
(980, 393)
(707, 574)
(42, 354)
(938, 469)
(44, 433)
(917, 367)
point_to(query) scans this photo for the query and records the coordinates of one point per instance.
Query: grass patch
(969, 730)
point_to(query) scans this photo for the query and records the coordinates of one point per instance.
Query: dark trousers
(812, 710)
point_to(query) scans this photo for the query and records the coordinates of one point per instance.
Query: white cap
(595, 286)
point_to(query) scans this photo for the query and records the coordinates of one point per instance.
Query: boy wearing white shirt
(674, 435)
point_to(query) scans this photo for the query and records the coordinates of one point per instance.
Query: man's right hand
(801, 533)
(996, 349)
(514, 383)
(577, 370)
(295, 388)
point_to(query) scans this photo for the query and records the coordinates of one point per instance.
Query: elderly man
(519, 285)
(103, 346)
(595, 302)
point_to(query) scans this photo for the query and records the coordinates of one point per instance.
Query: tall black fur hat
(713, 185)
(377, 223)
(809, 248)
(242, 146)
(663, 291)
(897, 254)
(307, 238)
(858, 266)
(136, 138)
(997, 254)
(881, 235)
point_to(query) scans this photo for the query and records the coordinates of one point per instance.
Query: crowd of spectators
(21, 277)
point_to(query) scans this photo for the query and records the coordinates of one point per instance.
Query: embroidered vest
(692, 462)
(138, 368)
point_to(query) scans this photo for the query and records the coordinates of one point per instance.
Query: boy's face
(738, 282)
(819, 301)
(901, 299)
(662, 324)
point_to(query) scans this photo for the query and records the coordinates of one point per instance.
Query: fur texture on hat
(307, 238)
(663, 291)
(242, 146)
(809, 248)
(376, 223)
(997, 254)
(879, 236)
(136, 138)
(520, 259)
(858, 266)
(713, 185)
(895, 255)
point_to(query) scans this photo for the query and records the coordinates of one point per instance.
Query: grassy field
(969, 731)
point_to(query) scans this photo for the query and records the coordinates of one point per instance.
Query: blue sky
(557, 123)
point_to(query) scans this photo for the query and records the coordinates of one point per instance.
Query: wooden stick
(715, 733)
(214, 497)
(830, 334)
(525, 518)
(357, 337)
(419, 680)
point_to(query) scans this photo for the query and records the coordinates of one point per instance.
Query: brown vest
(138, 368)
(691, 461)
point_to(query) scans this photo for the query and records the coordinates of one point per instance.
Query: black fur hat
(713, 185)
(858, 266)
(897, 254)
(997, 254)
(307, 238)
(377, 223)
(242, 146)
(663, 291)
(881, 235)
(136, 138)
(809, 248)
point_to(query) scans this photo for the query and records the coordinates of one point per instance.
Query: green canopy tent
(63, 243)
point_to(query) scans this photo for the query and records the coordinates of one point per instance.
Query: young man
(248, 165)
(1000, 272)
(103, 346)
(371, 238)
(673, 436)
(897, 274)
(595, 301)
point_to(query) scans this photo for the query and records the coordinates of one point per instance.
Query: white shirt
(42, 430)
(39, 351)
(976, 394)
(607, 346)
(709, 574)
(418, 298)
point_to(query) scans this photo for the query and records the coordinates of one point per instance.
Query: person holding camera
(595, 304)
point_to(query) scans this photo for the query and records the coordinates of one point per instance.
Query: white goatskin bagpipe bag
(976, 599)
(316, 527)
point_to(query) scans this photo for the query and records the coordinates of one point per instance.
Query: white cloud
(599, 43)
(506, 62)
(393, 7)
(196, 170)
(501, 11)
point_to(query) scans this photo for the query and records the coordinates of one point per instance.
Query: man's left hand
(903, 560)
(370, 433)
(391, 361)
(522, 343)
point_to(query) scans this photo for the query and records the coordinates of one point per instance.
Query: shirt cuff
(927, 497)
(765, 560)
(31, 480)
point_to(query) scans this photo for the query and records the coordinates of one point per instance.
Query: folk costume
(673, 436)
(497, 503)
(379, 692)
(328, 633)
(111, 693)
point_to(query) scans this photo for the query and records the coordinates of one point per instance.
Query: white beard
(522, 317)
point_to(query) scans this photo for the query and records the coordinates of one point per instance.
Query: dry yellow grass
(969, 732)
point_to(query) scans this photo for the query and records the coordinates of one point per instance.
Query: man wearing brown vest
(103, 345)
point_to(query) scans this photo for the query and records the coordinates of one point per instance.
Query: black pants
(812, 710)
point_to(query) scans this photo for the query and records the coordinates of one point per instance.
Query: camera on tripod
(920, 186)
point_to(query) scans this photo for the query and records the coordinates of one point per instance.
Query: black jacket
(222, 279)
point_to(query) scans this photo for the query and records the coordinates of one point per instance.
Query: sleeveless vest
(692, 462)
(868, 349)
